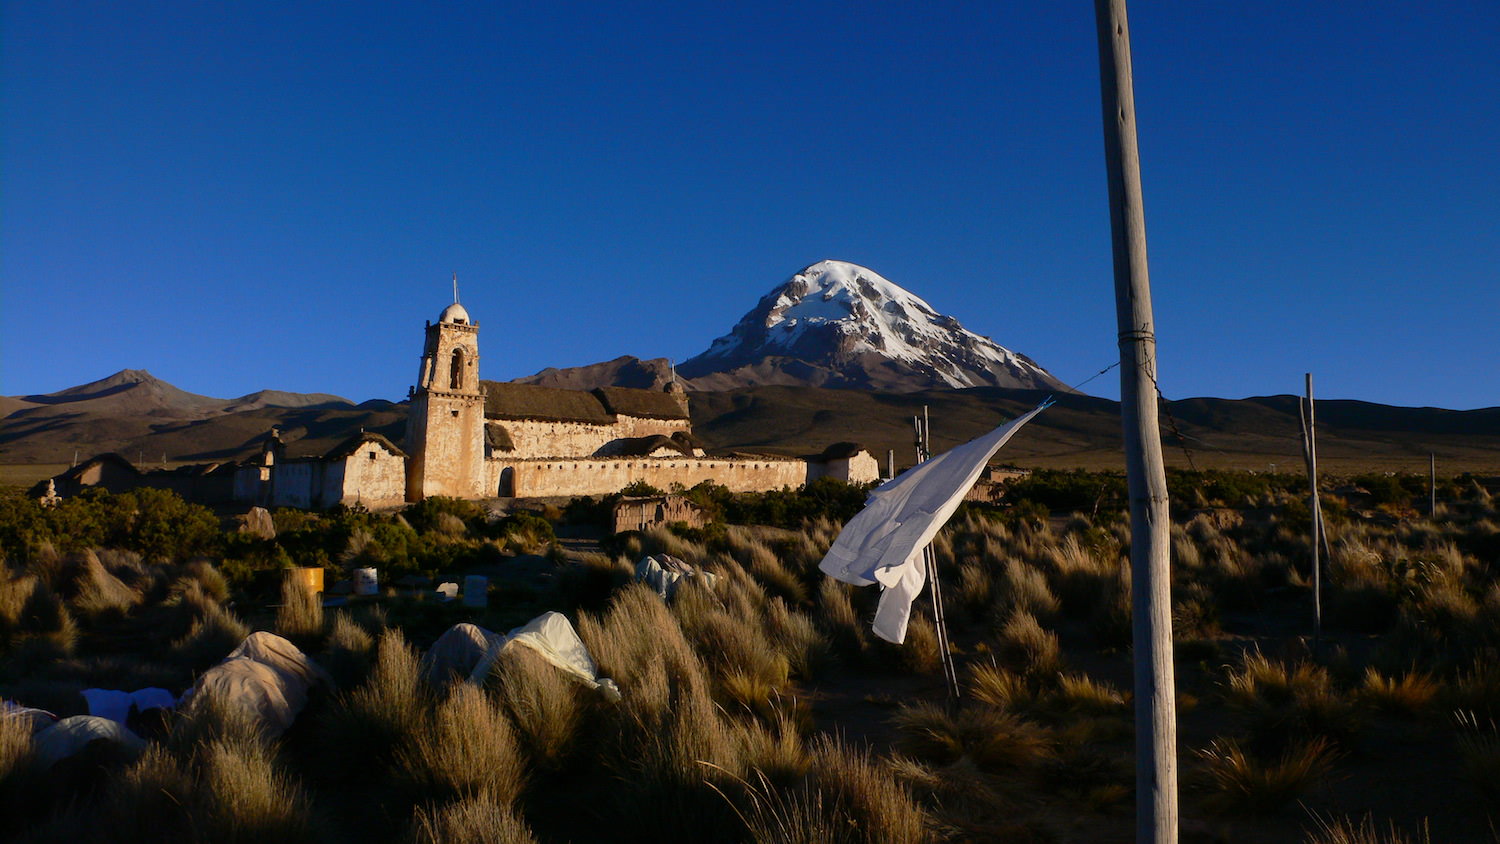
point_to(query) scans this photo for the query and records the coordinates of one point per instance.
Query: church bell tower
(445, 426)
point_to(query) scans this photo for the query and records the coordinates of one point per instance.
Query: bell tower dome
(445, 425)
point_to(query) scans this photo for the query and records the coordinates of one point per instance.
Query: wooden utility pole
(1150, 543)
(1315, 508)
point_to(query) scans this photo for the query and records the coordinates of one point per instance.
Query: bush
(1245, 785)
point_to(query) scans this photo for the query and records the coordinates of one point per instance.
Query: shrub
(995, 686)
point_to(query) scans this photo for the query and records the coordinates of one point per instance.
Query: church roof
(505, 400)
(651, 403)
(351, 445)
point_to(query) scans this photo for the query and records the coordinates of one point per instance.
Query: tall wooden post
(1155, 706)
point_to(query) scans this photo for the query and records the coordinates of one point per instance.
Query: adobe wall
(862, 468)
(538, 439)
(605, 475)
(380, 482)
(446, 443)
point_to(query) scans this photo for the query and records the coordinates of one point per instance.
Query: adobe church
(475, 439)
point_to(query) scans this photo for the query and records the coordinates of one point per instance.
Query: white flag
(883, 543)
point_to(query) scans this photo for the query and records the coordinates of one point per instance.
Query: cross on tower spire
(455, 288)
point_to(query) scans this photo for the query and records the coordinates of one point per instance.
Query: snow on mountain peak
(850, 319)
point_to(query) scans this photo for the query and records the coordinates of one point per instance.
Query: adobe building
(472, 438)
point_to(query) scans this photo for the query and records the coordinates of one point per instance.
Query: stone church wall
(603, 476)
(538, 439)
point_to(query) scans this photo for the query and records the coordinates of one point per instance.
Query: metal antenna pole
(1150, 522)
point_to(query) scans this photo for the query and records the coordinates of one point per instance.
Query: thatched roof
(643, 446)
(351, 445)
(503, 400)
(841, 451)
(654, 404)
(497, 438)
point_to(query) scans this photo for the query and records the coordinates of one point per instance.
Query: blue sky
(239, 196)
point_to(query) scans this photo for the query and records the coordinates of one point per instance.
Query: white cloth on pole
(894, 611)
(883, 543)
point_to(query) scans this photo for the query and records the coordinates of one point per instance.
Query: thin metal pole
(1150, 520)
(1431, 485)
(1310, 453)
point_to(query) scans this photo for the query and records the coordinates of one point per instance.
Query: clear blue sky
(240, 196)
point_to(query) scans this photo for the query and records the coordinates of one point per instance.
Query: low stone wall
(602, 476)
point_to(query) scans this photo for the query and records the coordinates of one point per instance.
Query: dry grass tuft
(798, 639)
(300, 616)
(473, 820)
(1028, 649)
(998, 687)
(1244, 785)
(348, 650)
(1364, 831)
(848, 800)
(467, 750)
(995, 741)
(1079, 694)
(837, 616)
(248, 798)
(1411, 695)
(99, 594)
(548, 708)
(1479, 750)
(1287, 702)
(376, 721)
(214, 633)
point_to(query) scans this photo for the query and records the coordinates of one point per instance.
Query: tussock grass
(252, 800)
(548, 708)
(1410, 695)
(155, 799)
(15, 748)
(1347, 830)
(1242, 784)
(348, 651)
(372, 724)
(849, 799)
(1479, 752)
(837, 616)
(995, 686)
(300, 616)
(1287, 702)
(1079, 694)
(214, 633)
(468, 749)
(993, 740)
(1025, 647)
(797, 637)
(473, 820)
(97, 594)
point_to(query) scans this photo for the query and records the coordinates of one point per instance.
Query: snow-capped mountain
(837, 324)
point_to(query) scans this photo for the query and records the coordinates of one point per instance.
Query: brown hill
(623, 371)
(142, 417)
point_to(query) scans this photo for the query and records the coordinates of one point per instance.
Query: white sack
(283, 656)
(664, 573)
(552, 637)
(458, 651)
(71, 735)
(258, 691)
(39, 719)
(883, 543)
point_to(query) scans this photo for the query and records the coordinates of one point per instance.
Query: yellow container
(308, 577)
